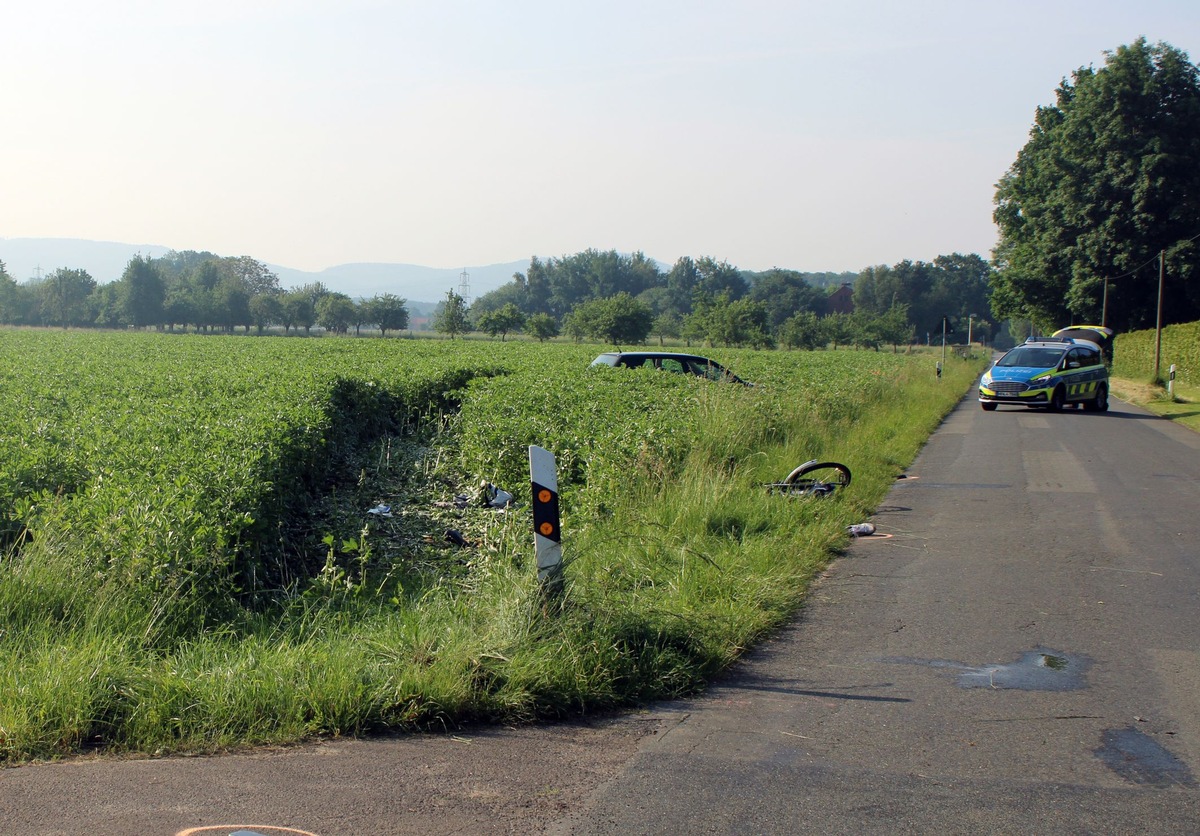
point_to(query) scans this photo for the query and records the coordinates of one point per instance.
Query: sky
(815, 136)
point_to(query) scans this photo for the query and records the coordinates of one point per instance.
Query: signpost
(547, 534)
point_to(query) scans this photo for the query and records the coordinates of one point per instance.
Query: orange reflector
(544, 495)
(546, 528)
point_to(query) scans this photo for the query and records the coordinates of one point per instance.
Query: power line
(1148, 262)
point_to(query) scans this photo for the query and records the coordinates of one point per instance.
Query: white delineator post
(547, 535)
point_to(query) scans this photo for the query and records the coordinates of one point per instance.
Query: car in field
(1066, 369)
(669, 361)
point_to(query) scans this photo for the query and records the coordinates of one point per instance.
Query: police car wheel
(1057, 399)
(988, 407)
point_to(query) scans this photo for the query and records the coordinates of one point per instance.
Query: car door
(1076, 374)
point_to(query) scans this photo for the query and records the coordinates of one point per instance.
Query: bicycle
(813, 478)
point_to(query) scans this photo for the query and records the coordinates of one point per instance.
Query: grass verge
(1183, 408)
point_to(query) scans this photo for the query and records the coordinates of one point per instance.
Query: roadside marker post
(547, 534)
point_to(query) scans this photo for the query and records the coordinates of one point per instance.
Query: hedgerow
(1133, 353)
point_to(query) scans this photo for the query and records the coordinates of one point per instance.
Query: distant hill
(408, 281)
(105, 261)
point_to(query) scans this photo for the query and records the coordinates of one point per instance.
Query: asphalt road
(1021, 655)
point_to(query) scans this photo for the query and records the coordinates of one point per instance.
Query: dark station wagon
(669, 361)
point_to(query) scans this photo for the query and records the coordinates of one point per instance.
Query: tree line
(192, 290)
(606, 296)
(628, 299)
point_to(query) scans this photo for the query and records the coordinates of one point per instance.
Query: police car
(1051, 372)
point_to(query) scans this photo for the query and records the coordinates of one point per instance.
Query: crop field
(188, 561)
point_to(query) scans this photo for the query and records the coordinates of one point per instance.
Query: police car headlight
(1044, 383)
(986, 380)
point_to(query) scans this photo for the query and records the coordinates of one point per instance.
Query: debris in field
(381, 510)
(460, 501)
(495, 497)
(453, 535)
(861, 530)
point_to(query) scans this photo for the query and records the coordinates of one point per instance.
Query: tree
(507, 318)
(106, 305)
(1107, 181)
(668, 324)
(720, 278)
(681, 285)
(231, 298)
(336, 312)
(180, 307)
(451, 315)
(893, 327)
(298, 310)
(802, 330)
(142, 293)
(65, 296)
(786, 293)
(266, 309)
(741, 323)
(541, 326)
(838, 329)
(619, 319)
(388, 312)
(8, 297)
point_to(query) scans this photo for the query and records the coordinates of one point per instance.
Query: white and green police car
(1051, 372)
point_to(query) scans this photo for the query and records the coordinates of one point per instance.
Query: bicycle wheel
(818, 477)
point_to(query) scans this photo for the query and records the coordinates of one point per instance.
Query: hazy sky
(827, 135)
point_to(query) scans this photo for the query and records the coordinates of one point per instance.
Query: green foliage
(64, 297)
(185, 460)
(744, 322)
(803, 330)
(541, 327)
(152, 483)
(336, 312)
(387, 311)
(1133, 353)
(142, 293)
(500, 322)
(1107, 181)
(619, 320)
(451, 315)
(784, 294)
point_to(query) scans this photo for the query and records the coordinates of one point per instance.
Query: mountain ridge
(105, 261)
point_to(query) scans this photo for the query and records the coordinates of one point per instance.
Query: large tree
(619, 319)
(142, 293)
(451, 315)
(1109, 179)
(388, 311)
(500, 322)
(786, 293)
(65, 294)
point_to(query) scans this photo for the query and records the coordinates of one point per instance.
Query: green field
(189, 565)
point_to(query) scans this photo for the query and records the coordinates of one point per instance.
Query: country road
(1020, 655)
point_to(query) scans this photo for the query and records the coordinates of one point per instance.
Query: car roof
(1058, 342)
(653, 354)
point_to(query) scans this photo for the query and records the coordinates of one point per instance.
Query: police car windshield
(1034, 358)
